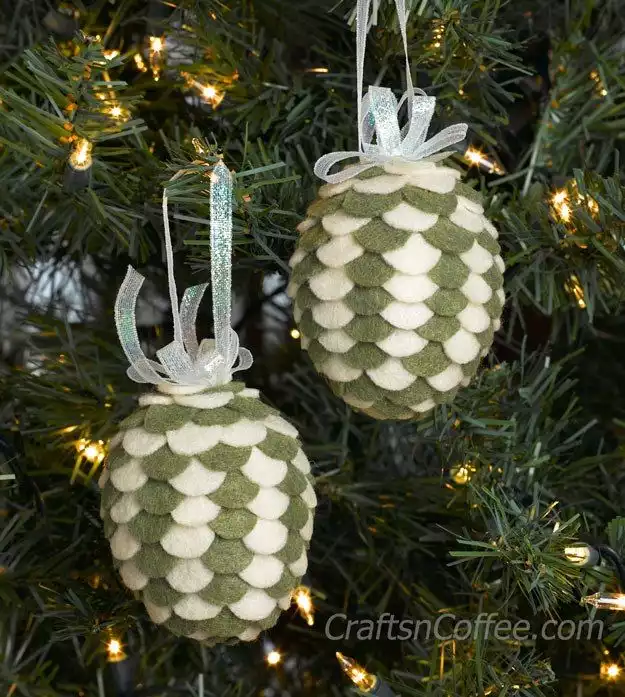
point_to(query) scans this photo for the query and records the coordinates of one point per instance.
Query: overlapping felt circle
(397, 283)
(207, 502)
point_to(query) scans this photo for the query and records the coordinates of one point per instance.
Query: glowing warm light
(461, 474)
(110, 54)
(156, 44)
(115, 651)
(140, 63)
(599, 86)
(80, 158)
(116, 112)
(92, 450)
(319, 71)
(364, 681)
(606, 601)
(574, 288)
(208, 92)
(610, 671)
(303, 599)
(475, 157)
(295, 334)
(274, 657)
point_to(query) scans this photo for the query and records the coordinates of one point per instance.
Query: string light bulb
(478, 159)
(610, 671)
(140, 63)
(295, 334)
(209, 94)
(80, 158)
(157, 47)
(273, 657)
(364, 681)
(92, 450)
(462, 473)
(115, 651)
(110, 54)
(303, 599)
(574, 288)
(606, 601)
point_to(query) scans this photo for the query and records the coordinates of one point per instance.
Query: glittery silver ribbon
(378, 114)
(185, 361)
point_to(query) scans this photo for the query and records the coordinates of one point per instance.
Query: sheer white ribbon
(185, 361)
(378, 114)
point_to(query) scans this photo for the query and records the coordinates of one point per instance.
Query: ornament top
(185, 362)
(378, 114)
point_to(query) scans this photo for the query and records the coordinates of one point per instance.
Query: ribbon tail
(141, 369)
(325, 163)
(384, 109)
(449, 136)
(421, 115)
(188, 316)
(244, 360)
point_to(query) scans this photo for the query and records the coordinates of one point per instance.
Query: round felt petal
(189, 576)
(477, 259)
(332, 315)
(255, 605)
(476, 290)
(277, 423)
(424, 406)
(441, 180)
(415, 257)
(267, 537)
(211, 400)
(264, 470)
(269, 504)
(500, 263)
(192, 439)
(336, 369)
(308, 496)
(244, 433)
(402, 343)
(197, 480)
(157, 614)
(147, 400)
(490, 229)
(329, 190)
(336, 341)
(132, 577)
(307, 531)
(338, 252)
(462, 347)
(384, 184)
(406, 217)
(474, 318)
(250, 392)
(187, 543)
(140, 443)
(123, 544)
(299, 567)
(407, 315)
(264, 571)
(125, 509)
(195, 511)
(410, 289)
(249, 634)
(192, 607)
(340, 224)
(473, 206)
(331, 284)
(464, 218)
(447, 379)
(301, 462)
(298, 256)
(130, 477)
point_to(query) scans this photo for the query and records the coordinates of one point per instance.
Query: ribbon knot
(408, 144)
(185, 362)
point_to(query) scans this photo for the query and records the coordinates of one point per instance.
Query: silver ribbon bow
(185, 362)
(378, 114)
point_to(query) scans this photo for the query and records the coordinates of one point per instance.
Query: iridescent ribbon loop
(185, 361)
(378, 115)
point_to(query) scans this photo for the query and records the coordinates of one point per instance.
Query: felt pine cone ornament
(397, 287)
(207, 502)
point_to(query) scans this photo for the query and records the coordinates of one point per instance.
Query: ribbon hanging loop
(185, 361)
